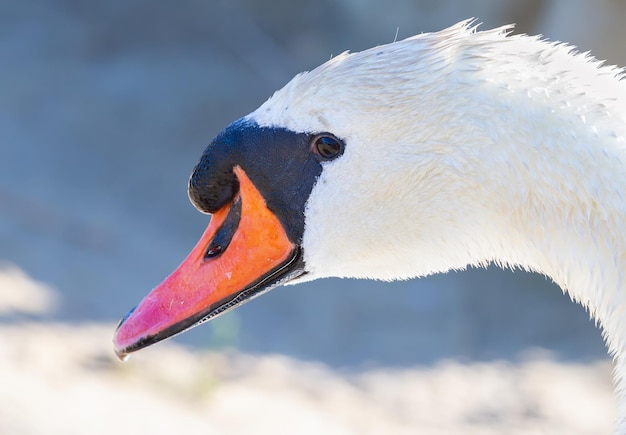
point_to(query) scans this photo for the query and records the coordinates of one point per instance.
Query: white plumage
(469, 147)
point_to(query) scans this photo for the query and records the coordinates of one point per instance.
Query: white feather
(467, 147)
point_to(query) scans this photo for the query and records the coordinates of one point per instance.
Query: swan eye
(327, 146)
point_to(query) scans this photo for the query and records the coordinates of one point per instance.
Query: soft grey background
(105, 106)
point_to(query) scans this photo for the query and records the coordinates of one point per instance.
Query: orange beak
(243, 253)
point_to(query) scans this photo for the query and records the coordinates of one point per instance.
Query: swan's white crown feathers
(426, 65)
(469, 147)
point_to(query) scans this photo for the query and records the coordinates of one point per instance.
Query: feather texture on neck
(467, 147)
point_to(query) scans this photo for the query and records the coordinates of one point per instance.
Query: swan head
(329, 177)
(376, 164)
(317, 182)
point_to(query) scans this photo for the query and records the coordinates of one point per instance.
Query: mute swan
(444, 150)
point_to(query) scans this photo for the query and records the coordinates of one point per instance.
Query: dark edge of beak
(291, 269)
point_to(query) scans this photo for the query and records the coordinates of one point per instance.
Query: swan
(447, 149)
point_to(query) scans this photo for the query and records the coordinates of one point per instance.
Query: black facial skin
(282, 165)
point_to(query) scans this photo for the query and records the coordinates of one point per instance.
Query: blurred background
(105, 107)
